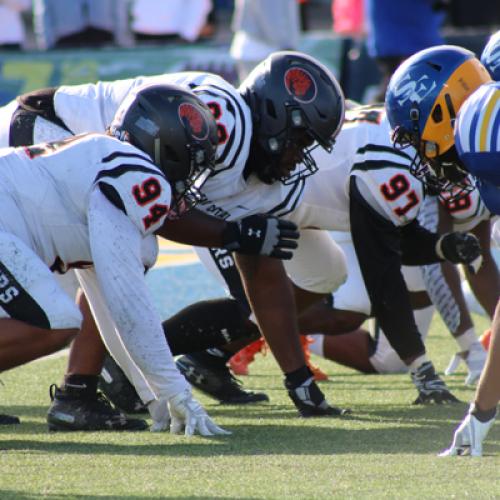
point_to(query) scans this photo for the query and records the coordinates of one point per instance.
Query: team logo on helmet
(300, 84)
(414, 90)
(192, 120)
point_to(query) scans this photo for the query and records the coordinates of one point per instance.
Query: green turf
(386, 449)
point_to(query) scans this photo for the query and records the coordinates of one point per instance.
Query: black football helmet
(177, 130)
(295, 101)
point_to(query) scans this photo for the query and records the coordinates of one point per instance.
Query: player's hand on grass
(430, 387)
(469, 436)
(308, 397)
(189, 417)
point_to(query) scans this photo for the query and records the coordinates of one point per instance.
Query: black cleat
(67, 413)
(9, 420)
(117, 388)
(210, 375)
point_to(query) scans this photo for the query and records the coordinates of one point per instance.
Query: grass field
(386, 449)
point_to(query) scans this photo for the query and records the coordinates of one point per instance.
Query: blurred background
(55, 42)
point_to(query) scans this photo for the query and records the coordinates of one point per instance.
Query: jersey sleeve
(116, 247)
(386, 184)
(133, 184)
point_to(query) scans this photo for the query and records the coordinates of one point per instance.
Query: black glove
(460, 248)
(261, 235)
(307, 396)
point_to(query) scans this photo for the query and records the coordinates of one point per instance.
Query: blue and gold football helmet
(422, 101)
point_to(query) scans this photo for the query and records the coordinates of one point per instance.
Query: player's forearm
(194, 228)
(488, 390)
(271, 297)
(418, 245)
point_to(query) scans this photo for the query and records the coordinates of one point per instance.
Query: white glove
(189, 416)
(158, 409)
(475, 361)
(468, 438)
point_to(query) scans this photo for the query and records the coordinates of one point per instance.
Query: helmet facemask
(438, 172)
(186, 193)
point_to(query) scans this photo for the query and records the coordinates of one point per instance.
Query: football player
(371, 352)
(267, 127)
(442, 102)
(94, 202)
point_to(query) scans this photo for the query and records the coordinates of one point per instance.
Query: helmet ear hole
(437, 114)
(271, 110)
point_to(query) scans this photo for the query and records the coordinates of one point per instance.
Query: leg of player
(76, 405)
(470, 434)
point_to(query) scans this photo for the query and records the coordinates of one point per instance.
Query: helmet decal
(414, 90)
(300, 84)
(192, 120)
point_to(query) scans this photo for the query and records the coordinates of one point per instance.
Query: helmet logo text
(193, 121)
(300, 84)
(414, 90)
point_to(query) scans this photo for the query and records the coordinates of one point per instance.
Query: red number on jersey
(221, 129)
(396, 187)
(145, 193)
(457, 205)
(148, 191)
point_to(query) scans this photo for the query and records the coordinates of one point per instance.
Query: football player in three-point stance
(94, 202)
(442, 103)
(264, 131)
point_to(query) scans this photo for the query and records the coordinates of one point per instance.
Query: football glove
(430, 387)
(188, 417)
(310, 401)
(475, 359)
(469, 436)
(460, 248)
(158, 409)
(261, 235)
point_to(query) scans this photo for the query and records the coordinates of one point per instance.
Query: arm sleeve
(116, 250)
(377, 245)
(418, 245)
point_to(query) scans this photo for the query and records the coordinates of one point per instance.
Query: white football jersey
(363, 149)
(92, 107)
(51, 184)
(467, 211)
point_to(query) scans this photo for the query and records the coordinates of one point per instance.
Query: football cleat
(430, 387)
(238, 363)
(8, 419)
(474, 358)
(67, 413)
(210, 375)
(318, 373)
(117, 388)
(311, 402)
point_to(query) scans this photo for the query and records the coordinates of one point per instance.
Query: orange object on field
(240, 361)
(485, 339)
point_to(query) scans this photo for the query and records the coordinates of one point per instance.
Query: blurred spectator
(261, 27)
(12, 30)
(398, 29)
(170, 19)
(80, 23)
(348, 18)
